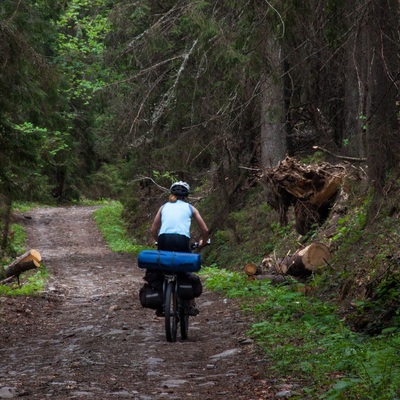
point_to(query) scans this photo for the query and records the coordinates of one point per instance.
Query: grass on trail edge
(113, 229)
(32, 281)
(32, 285)
(307, 343)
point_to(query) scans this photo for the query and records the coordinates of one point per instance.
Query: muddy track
(87, 336)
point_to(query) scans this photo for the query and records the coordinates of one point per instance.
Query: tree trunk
(382, 127)
(6, 222)
(273, 136)
(355, 102)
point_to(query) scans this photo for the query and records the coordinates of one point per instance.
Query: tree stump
(310, 189)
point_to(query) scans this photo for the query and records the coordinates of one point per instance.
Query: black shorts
(174, 242)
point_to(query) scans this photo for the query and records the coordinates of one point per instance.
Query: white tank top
(176, 218)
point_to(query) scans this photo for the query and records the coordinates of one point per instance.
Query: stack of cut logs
(29, 260)
(301, 264)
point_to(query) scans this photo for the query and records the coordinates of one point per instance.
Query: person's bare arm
(202, 226)
(155, 227)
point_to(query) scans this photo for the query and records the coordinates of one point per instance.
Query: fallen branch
(354, 159)
(8, 280)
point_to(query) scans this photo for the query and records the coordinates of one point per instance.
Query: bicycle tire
(171, 314)
(184, 318)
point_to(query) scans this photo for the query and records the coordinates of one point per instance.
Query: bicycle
(176, 308)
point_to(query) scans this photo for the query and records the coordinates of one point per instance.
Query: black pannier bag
(151, 297)
(154, 278)
(185, 290)
(189, 286)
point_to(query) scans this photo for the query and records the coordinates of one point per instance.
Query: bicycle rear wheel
(184, 318)
(171, 313)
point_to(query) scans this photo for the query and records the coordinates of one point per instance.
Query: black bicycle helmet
(180, 189)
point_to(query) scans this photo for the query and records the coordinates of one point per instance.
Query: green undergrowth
(16, 244)
(31, 282)
(248, 234)
(108, 219)
(306, 341)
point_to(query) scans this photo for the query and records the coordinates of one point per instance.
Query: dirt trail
(87, 336)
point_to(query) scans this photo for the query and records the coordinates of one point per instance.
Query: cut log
(29, 260)
(305, 261)
(315, 255)
(251, 269)
(29, 255)
(18, 269)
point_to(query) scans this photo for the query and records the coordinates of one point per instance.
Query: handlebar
(195, 245)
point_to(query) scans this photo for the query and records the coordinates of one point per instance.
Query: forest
(101, 97)
(249, 101)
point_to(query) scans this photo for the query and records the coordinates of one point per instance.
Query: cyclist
(171, 231)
